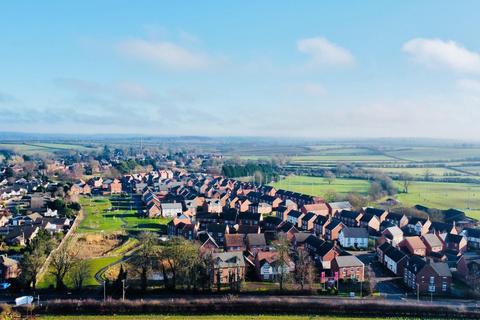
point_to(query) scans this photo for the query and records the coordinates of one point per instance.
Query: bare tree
(79, 273)
(282, 246)
(304, 271)
(406, 179)
(62, 262)
(31, 265)
(145, 256)
(329, 176)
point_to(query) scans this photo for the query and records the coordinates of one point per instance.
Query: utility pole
(123, 289)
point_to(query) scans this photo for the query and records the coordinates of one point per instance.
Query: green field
(42, 148)
(95, 265)
(441, 195)
(100, 218)
(419, 172)
(445, 153)
(319, 186)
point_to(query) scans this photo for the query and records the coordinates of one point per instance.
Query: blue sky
(267, 68)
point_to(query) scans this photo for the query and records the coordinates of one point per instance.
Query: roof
(301, 237)
(216, 227)
(6, 261)
(349, 214)
(455, 238)
(442, 269)
(228, 259)
(432, 240)
(384, 247)
(234, 240)
(348, 261)
(333, 224)
(308, 216)
(395, 231)
(294, 214)
(415, 242)
(472, 232)
(174, 205)
(395, 254)
(355, 232)
(340, 205)
(256, 239)
(375, 211)
(314, 241)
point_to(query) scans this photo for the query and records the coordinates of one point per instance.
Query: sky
(318, 69)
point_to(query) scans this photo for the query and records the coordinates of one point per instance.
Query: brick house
(414, 245)
(427, 276)
(348, 267)
(332, 229)
(433, 243)
(227, 267)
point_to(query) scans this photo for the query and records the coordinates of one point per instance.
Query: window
(432, 280)
(444, 286)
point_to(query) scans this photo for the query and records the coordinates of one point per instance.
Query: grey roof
(228, 259)
(348, 261)
(339, 205)
(432, 240)
(175, 205)
(442, 269)
(256, 239)
(355, 232)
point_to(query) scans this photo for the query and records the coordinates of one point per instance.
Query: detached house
(268, 267)
(433, 243)
(353, 238)
(427, 276)
(395, 261)
(234, 242)
(414, 245)
(227, 267)
(348, 267)
(455, 243)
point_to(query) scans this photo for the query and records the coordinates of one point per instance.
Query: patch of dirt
(96, 245)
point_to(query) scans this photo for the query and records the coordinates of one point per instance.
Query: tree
(329, 176)
(375, 190)
(304, 271)
(282, 246)
(330, 196)
(144, 257)
(427, 175)
(31, 265)
(406, 179)
(79, 273)
(63, 259)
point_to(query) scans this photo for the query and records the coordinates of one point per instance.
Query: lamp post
(123, 289)
(104, 291)
(418, 292)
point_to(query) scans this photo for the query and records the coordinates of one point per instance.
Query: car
(4, 285)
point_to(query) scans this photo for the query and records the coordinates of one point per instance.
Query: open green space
(419, 172)
(319, 186)
(94, 265)
(32, 148)
(100, 216)
(436, 153)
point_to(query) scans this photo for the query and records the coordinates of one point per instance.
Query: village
(255, 233)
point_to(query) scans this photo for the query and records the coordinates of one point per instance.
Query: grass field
(319, 186)
(436, 153)
(419, 172)
(32, 148)
(441, 195)
(94, 265)
(213, 317)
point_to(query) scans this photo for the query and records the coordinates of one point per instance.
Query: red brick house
(348, 267)
(414, 245)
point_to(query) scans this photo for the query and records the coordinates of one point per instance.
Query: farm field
(42, 148)
(440, 195)
(419, 172)
(319, 186)
(435, 153)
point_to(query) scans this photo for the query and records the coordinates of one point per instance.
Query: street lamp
(104, 291)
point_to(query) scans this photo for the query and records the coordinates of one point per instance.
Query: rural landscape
(239, 160)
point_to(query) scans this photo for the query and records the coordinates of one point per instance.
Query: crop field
(436, 153)
(420, 172)
(43, 148)
(319, 186)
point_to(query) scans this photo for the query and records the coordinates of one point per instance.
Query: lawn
(319, 186)
(95, 265)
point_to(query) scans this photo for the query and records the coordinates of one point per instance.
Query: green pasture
(436, 153)
(319, 186)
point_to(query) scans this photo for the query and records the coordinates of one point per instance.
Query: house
(418, 226)
(353, 238)
(229, 217)
(299, 239)
(287, 230)
(234, 242)
(348, 267)
(213, 206)
(395, 261)
(413, 245)
(270, 223)
(268, 267)
(227, 267)
(381, 214)
(425, 276)
(256, 242)
(455, 243)
(295, 218)
(332, 229)
(282, 212)
(172, 209)
(325, 254)
(153, 210)
(249, 219)
(473, 237)
(318, 224)
(398, 219)
(369, 221)
(338, 206)
(381, 249)
(349, 218)
(392, 235)
(308, 220)
(317, 208)
(433, 243)
(208, 245)
(9, 268)
(218, 231)
(115, 186)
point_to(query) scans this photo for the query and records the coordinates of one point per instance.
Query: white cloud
(166, 54)
(324, 52)
(469, 85)
(444, 54)
(313, 89)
